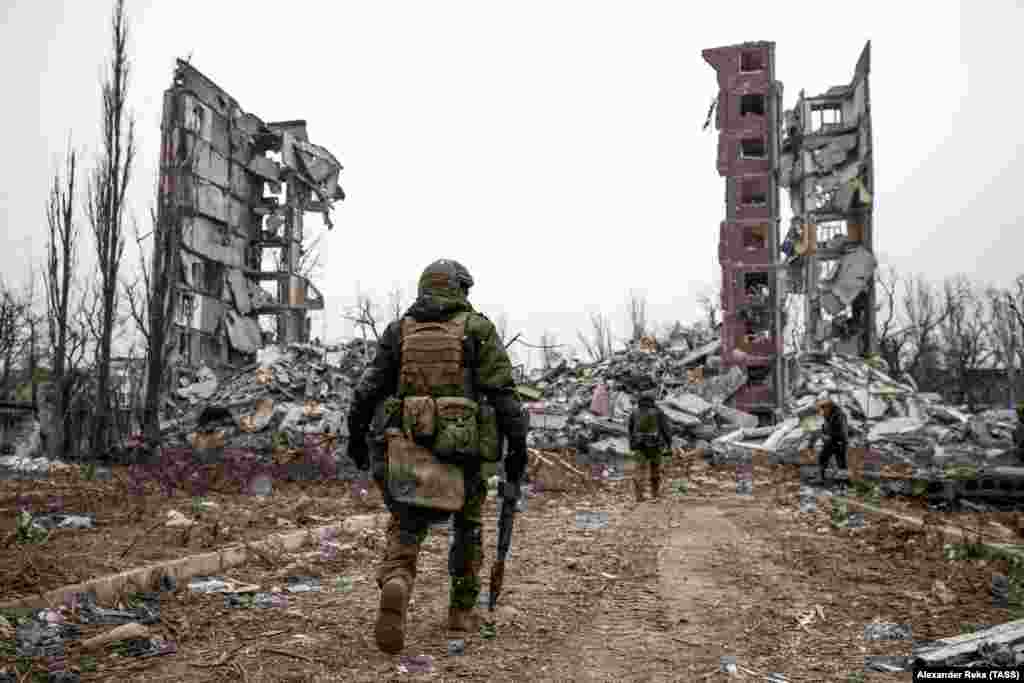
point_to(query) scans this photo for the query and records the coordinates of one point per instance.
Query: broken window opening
(751, 61)
(757, 287)
(213, 282)
(755, 237)
(753, 148)
(831, 231)
(194, 119)
(829, 114)
(759, 375)
(184, 347)
(753, 193)
(186, 305)
(752, 105)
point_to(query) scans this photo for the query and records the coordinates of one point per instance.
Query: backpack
(646, 430)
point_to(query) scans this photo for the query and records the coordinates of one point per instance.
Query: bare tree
(549, 354)
(637, 315)
(963, 329)
(1005, 335)
(61, 263)
(892, 336)
(599, 346)
(396, 302)
(309, 264)
(13, 312)
(711, 305)
(106, 207)
(924, 310)
(362, 313)
(152, 304)
(501, 327)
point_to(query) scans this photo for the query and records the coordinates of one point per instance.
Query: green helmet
(445, 274)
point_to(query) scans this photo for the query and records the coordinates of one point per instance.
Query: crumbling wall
(826, 163)
(218, 174)
(747, 119)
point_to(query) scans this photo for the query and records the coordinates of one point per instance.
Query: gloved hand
(359, 452)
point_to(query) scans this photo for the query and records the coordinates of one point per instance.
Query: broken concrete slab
(689, 403)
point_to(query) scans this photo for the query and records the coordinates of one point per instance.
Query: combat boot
(467, 620)
(394, 604)
(655, 481)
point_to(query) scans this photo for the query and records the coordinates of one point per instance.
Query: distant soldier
(649, 437)
(834, 435)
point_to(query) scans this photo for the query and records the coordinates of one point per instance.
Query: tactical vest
(646, 430)
(436, 389)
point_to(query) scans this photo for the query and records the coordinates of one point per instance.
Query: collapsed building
(820, 152)
(234, 191)
(747, 118)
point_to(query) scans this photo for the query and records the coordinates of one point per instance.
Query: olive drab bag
(646, 432)
(440, 421)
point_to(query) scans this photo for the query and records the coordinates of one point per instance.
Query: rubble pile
(586, 406)
(890, 417)
(270, 406)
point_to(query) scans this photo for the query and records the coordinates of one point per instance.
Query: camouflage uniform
(834, 436)
(645, 456)
(443, 290)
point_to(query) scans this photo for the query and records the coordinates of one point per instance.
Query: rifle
(509, 494)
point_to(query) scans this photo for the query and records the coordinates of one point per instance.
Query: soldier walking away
(834, 436)
(442, 390)
(649, 437)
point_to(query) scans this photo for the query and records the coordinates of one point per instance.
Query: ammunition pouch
(487, 429)
(416, 477)
(418, 419)
(458, 437)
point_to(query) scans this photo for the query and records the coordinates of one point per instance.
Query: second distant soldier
(649, 437)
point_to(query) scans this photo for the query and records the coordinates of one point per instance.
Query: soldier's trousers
(827, 452)
(647, 463)
(408, 529)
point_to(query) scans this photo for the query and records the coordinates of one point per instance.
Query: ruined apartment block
(234, 191)
(826, 163)
(748, 121)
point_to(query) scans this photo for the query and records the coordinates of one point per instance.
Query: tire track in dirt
(634, 632)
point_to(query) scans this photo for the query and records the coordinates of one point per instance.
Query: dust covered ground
(659, 591)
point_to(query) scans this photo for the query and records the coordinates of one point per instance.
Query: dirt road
(659, 591)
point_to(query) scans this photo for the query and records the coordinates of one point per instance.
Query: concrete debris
(292, 402)
(122, 632)
(998, 646)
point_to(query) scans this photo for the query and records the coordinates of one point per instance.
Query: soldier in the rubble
(441, 353)
(833, 434)
(649, 438)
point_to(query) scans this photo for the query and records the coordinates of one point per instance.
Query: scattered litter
(146, 611)
(488, 631)
(591, 520)
(727, 664)
(885, 631)
(213, 584)
(148, 647)
(177, 519)
(249, 600)
(343, 584)
(456, 648)
(302, 584)
(416, 664)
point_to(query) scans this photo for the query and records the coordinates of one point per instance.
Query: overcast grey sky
(555, 148)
